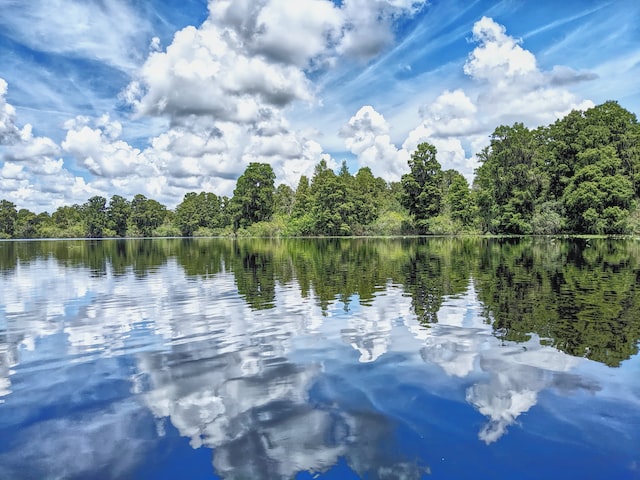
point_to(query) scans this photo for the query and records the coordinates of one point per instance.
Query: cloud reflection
(253, 384)
(254, 406)
(463, 344)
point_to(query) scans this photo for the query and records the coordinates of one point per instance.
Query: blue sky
(165, 97)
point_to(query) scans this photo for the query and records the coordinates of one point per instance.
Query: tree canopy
(579, 175)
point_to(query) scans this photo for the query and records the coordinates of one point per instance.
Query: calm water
(342, 359)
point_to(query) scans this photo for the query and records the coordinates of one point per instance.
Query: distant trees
(8, 218)
(508, 180)
(95, 216)
(253, 197)
(579, 175)
(146, 214)
(199, 210)
(422, 186)
(118, 214)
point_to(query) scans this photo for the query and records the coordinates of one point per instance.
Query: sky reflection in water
(246, 369)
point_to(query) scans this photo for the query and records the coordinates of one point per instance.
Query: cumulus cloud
(222, 92)
(368, 25)
(498, 57)
(100, 150)
(203, 72)
(248, 55)
(512, 87)
(8, 130)
(238, 72)
(506, 86)
(367, 136)
(33, 175)
(311, 26)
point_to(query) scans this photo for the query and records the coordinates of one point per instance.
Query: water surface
(358, 358)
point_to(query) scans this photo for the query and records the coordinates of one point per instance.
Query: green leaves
(118, 214)
(596, 188)
(422, 187)
(8, 218)
(253, 197)
(95, 216)
(147, 214)
(202, 210)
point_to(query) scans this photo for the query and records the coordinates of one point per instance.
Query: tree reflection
(578, 295)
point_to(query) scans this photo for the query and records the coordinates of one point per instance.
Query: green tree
(212, 210)
(327, 201)
(284, 199)
(599, 195)
(422, 186)
(118, 214)
(301, 201)
(607, 124)
(367, 193)
(8, 218)
(188, 216)
(95, 216)
(253, 197)
(509, 182)
(68, 221)
(458, 199)
(202, 210)
(29, 224)
(147, 214)
(301, 221)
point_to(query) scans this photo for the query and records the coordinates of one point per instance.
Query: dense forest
(579, 175)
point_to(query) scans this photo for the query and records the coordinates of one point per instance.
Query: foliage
(422, 186)
(198, 213)
(253, 197)
(95, 216)
(580, 175)
(598, 196)
(146, 215)
(8, 219)
(118, 214)
(284, 199)
(509, 180)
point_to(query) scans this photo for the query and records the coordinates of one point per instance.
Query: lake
(320, 358)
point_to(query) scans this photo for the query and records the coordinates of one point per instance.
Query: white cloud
(511, 86)
(498, 57)
(368, 26)
(238, 71)
(296, 33)
(32, 174)
(367, 136)
(110, 32)
(507, 86)
(219, 96)
(452, 114)
(206, 72)
(101, 152)
(8, 130)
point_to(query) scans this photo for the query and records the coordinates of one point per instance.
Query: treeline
(580, 175)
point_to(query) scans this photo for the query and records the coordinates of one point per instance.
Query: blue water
(166, 375)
